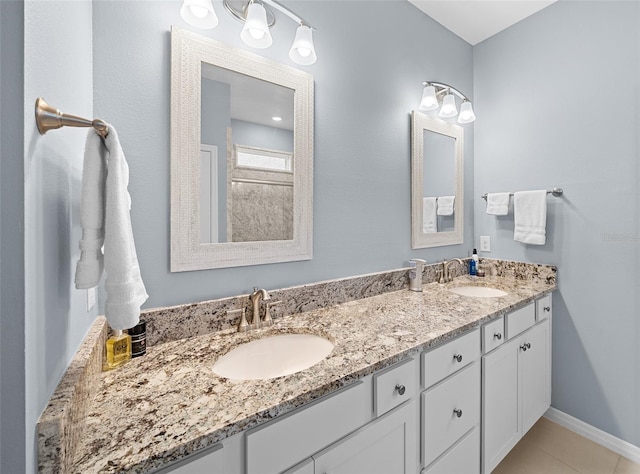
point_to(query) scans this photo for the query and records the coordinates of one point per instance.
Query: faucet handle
(242, 324)
(267, 312)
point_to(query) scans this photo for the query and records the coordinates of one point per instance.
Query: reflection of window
(259, 158)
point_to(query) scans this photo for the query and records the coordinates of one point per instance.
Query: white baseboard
(596, 435)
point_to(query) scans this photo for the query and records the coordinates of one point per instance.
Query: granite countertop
(170, 403)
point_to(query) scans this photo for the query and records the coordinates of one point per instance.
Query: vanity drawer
(449, 410)
(394, 386)
(543, 308)
(279, 445)
(464, 457)
(450, 357)
(492, 335)
(520, 320)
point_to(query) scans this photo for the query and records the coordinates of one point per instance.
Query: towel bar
(50, 118)
(555, 191)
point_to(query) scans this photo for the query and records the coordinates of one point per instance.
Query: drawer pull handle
(400, 389)
(498, 336)
(547, 308)
(457, 357)
(525, 346)
(457, 412)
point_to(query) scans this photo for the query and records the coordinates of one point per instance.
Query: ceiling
(476, 20)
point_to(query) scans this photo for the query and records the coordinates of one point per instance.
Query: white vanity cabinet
(210, 461)
(516, 382)
(369, 426)
(450, 406)
(386, 445)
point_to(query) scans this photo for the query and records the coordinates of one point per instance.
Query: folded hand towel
(445, 205)
(530, 216)
(90, 266)
(498, 204)
(124, 285)
(429, 218)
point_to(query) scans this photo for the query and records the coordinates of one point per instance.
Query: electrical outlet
(91, 298)
(485, 243)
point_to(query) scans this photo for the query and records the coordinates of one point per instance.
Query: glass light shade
(466, 113)
(449, 108)
(199, 13)
(429, 100)
(255, 32)
(302, 50)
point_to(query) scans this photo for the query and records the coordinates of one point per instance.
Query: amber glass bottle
(118, 350)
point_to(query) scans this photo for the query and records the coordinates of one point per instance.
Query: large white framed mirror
(241, 157)
(437, 182)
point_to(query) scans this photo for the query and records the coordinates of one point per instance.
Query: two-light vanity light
(257, 19)
(436, 93)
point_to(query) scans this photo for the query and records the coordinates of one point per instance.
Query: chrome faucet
(446, 277)
(256, 297)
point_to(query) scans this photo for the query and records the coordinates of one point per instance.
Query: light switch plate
(485, 243)
(91, 298)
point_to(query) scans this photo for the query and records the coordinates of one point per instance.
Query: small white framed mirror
(437, 182)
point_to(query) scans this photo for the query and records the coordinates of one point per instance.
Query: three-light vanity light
(439, 95)
(257, 18)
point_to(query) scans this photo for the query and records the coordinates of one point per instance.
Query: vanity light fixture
(436, 93)
(258, 18)
(199, 13)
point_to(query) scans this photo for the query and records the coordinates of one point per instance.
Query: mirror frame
(188, 51)
(419, 123)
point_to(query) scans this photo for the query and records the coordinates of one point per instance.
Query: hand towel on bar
(91, 264)
(530, 216)
(498, 204)
(125, 289)
(429, 218)
(445, 205)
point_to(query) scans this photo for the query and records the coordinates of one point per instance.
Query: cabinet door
(209, 462)
(386, 445)
(500, 404)
(535, 374)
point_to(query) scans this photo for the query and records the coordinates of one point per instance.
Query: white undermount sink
(478, 291)
(273, 356)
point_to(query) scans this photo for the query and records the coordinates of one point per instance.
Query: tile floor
(549, 448)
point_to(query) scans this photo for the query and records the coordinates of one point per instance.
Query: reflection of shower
(260, 196)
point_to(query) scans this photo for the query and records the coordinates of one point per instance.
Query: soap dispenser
(473, 263)
(415, 274)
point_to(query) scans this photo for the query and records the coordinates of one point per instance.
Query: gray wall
(261, 136)
(57, 67)
(365, 90)
(557, 99)
(12, 368)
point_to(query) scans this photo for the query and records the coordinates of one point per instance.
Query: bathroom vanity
(417, 382)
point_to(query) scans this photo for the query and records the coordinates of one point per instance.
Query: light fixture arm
(287, 12)
(442, 88)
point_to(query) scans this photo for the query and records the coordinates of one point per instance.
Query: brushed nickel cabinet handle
(400, 389)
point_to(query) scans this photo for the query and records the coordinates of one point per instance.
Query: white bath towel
(530, 217)
(429, 218)
(498, 204)
(445, 205)
(91, 264)
(124, 285)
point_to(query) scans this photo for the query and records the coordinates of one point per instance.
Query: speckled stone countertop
(169, 403)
